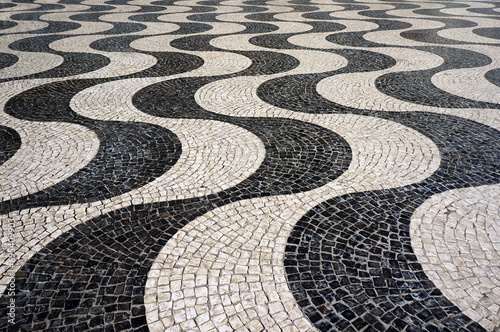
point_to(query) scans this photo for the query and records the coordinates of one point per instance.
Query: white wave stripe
(471, 82)
(354, 14)
(243, 90)
(394, 38)
(85, 27)
(49, 153)
(22, 26)
(21, 7)
(389, 37)
(183, 16)
(20, 178)
(374, 166)
(225, 269)
(121, 63)
(195, 174)
(241, 42)
(409, 13)
(118, 8)
(237, 97)
(318, 40)
(466, 13)
(28, 62)
(358, 89)
(467, 36)
(456, 238)
(79, 152)
(293, 16)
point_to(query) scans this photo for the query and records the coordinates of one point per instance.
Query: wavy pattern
(249, 165)
(464, 221)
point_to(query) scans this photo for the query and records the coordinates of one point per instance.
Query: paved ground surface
(258, 165)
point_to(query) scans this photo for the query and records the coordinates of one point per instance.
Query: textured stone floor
(262, 165)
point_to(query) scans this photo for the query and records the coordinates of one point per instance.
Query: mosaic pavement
(258, 165)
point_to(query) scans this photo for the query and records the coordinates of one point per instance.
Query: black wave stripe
(201, 9)
(4, 5)
(293, 161)
(6, 24)
(173, 99)
(276, 41)
(488, 32)
(27, 16)
(356, 38)
(417, 87)
(298, 92)
(325, 26)
(73, 63)
(252, 9)
(267, 63)
(382, 13)
(118, 27)
(262, 17)
(210, 17)
(123, 28)
(53, 26)
(95, 274)
(7, 60)
(70, 2)
(149, 17)
(117, 2)
(88, 17)
(320, 16)
(151, 9)
(300, 2)
(325, 15)
(263, 62)
(48, 6)
(438, 12)
(100, 8)
(57, 27)
(486, 11)
(493, 76)
(164, 3)
(258, 27)
(211, 3)
(168, 63)
(431, 35)
(10, 142)
(349, 261)
(303, 8)
(130, 155)
(191, 28)
(194, 43)
(115, 44)
(280, 40)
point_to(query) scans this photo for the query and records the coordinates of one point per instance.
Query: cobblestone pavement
(250, 165)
